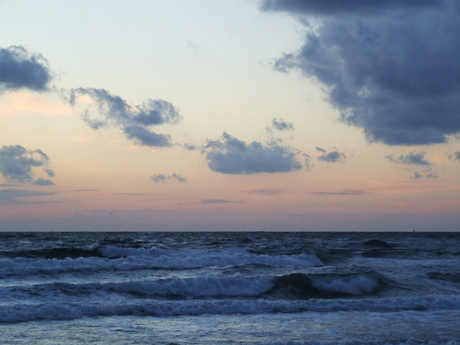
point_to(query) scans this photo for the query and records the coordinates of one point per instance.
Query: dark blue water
(232, 288)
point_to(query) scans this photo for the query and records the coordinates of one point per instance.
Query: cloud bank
(16, 164)
(134, 120)
(21, 69)
(390, 67)
(228, 155)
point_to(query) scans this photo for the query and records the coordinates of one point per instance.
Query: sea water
(229, 288)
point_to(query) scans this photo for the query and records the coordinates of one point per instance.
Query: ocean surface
(229, 288)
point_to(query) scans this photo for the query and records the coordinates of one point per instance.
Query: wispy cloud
(352, 192)
(219, 201)
(282, 125)
(331, 156)
(415, 159)
(14, 196)
(262, 192)
(158, 178)
(136, 121)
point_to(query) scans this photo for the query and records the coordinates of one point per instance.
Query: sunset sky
(226, 115)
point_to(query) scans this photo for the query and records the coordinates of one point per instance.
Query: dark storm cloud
(282, 125)
(395, 73)
(134, 120)
(16, 163)
(330, 157)
(331, 7)
(228, 155)
(13, 196)
(21, 69)
(163, 177)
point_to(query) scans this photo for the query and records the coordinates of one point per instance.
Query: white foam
(60, 311)
(150, 258)
(354, 285)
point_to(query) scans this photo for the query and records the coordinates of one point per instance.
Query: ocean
(229, 288)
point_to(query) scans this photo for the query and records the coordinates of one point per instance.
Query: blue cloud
(228, 155)
(352, 192)
(390, 67)
(417, 160)
(134, 120)
(16, 163)
(163, 177)
(14, 196)
(330, 157)
(219, 201)
(455, 156)
(410, 159)
(335, 7)
(21, 69)
(282, 125)
(43, 182)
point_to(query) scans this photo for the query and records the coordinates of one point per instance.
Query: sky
(231, 115)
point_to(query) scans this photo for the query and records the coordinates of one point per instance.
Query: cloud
(344, 192)
(49, 172)
(13, 196)
(455, 156)
(190, 147)
(389, 67)
(134, 120)
(219, 201)
(21, 69)
(415, 159)
(163, 177)
(16, 164)
(130, 194)
(228, 155)
(282, 125)
(410, 159)
(43, 182)
(308, 163)
(262, 192)
(330, 157)
(416, 176)
(336, 7)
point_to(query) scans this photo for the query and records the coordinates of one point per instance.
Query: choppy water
(232, 288)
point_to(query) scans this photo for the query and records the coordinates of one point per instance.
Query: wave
(125, 259)
(68, 311)
(305, 286)
(53, 253)
(292, 286)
